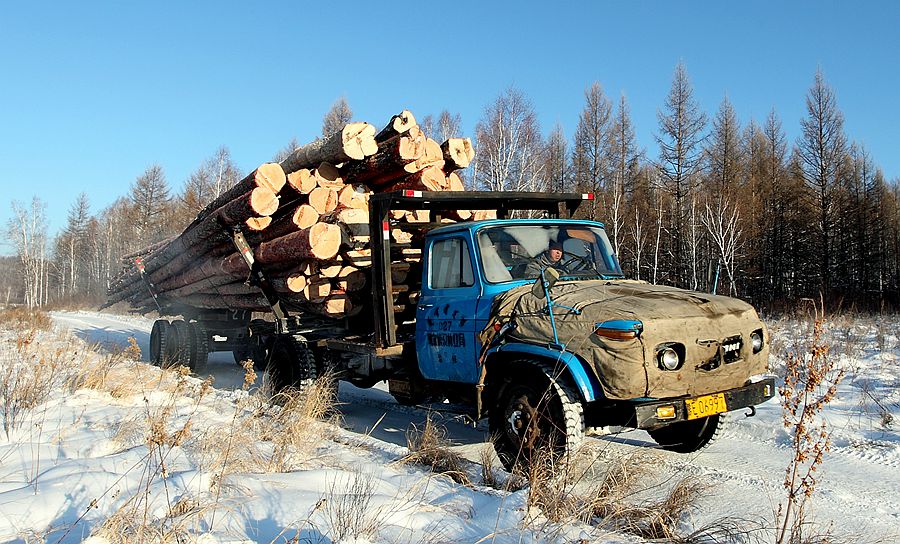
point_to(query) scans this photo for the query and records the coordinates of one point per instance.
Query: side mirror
(544, 282)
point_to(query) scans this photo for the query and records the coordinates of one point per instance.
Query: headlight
(668, 359)
(756, 340)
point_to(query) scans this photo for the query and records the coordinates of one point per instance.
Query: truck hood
(700, 323)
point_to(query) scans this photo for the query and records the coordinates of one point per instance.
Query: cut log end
(325, 240)
(323, 199)
(256, 224)
(270, 175)
(359, 140)
(457, 153)
(302, 181)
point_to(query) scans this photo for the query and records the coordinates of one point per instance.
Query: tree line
(719, 205)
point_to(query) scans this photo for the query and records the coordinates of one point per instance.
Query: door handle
(425, 306)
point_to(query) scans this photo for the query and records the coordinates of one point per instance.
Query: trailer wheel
(537, 413)
(178, 344)
(689, 436)
(290, 364)
(158, 341)
(199, 354)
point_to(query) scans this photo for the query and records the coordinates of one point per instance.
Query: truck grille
(729, 352)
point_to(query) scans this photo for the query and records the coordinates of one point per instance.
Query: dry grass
(348, 509)
(20, 318)
(430, 447)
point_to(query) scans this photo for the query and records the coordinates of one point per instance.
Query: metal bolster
(259, 279)
(586, 382)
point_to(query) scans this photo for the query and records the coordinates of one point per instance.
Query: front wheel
(538, 413)
(689, 436)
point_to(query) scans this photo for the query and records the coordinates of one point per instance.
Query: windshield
(519, 252)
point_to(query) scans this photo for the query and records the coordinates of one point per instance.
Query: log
(296, 283)
(454, 182)
(398, 124)
(328, 176)
(354, 221)
(429, 179)
(330, 269)
(391, 157)
(323, 200)
(336, 305)
(302, 181)
(320, 241)
(458, 153)
(257, 224)
(355, 141)
(354, 196)
(350, 279)
(304, 216)
(317, 290)
(269, 175)
(261, 201)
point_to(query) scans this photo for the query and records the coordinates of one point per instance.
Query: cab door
(445, 315)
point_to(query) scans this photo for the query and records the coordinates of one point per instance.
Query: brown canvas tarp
(627, 368)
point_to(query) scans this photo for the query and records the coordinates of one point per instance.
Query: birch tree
(28, 231)
(510, 147)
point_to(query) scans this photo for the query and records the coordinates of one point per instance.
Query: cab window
(450, 264)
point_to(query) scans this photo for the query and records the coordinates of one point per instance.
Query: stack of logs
(307, 223)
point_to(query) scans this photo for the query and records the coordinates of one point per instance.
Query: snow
(77, 459)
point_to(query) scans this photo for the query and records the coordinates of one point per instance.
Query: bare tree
(28, 231)
(681, 125)
(338, 116)
(590, 155)
(285, 151)
(447, 126)
(557, 168)
(821, 150)
(509, 145)
(214, 176)
(724, 155)
(151, 206)
(72, 245)
(625, 159)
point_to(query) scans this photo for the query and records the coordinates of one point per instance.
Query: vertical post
(382, 283)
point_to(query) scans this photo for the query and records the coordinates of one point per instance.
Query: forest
(720, 204)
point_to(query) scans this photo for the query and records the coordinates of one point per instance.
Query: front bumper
(735, 399)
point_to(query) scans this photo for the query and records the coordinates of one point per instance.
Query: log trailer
(542, 348)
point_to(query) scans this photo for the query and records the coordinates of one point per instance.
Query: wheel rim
(521, 419)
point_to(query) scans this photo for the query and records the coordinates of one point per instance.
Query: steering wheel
(576, 263)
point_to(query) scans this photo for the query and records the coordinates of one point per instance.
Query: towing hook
(752, 411)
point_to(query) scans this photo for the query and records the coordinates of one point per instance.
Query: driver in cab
(550, 258)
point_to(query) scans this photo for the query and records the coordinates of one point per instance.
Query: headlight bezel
(757, 340)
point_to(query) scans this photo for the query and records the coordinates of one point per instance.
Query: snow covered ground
(83, 463)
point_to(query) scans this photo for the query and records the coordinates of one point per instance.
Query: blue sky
(94, 92)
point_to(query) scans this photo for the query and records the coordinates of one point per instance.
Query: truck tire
(537, 412)
(254, 348)
(291, 364)
(178, 348)
(158, 341)
(199, 354)
(689, 436)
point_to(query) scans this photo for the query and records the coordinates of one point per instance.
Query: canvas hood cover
(703, 325)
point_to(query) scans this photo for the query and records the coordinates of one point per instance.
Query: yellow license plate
(707, 405)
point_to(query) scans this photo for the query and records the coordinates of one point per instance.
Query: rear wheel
(178, 348)
(689, 436)
(158, 341)
(290, 364)
(199, 354)
(538, 413)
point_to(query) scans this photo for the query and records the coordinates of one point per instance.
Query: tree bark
(355, 141)
(321, 241)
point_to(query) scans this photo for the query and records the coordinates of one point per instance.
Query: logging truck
(544, 352)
